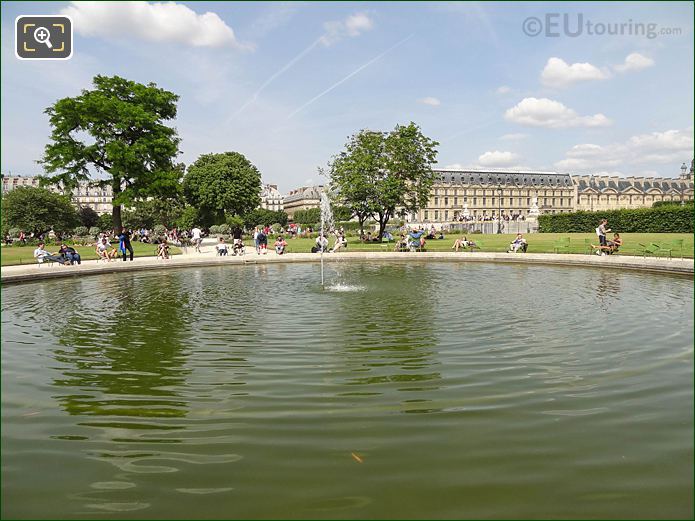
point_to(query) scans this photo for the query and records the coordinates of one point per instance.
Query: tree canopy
(116, 129)
(265, 217)
(38, 210)
(382, 173)
(222, 184)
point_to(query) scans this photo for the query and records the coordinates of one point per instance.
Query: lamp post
(499, 209)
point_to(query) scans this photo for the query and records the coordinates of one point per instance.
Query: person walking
(196, 238)
(124, 239)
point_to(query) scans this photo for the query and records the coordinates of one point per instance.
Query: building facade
(85, 195)
(271, 198)
(479, 195)
(460, 195)
(302, 198)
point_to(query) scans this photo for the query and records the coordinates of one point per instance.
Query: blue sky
(286, 83)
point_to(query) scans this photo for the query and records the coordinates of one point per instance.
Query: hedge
(662, 219)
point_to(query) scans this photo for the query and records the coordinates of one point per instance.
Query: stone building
(271, 198)
(98, 199)
(596, 193)
(302, 198)
(486, 194)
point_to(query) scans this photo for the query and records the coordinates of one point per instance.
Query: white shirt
(40, 254)
(196, 233)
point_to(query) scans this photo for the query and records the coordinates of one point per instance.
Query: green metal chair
(645, 250)
(677, 246)
(562, 245)
(662, 250)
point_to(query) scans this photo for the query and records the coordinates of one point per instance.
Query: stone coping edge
(30, 273)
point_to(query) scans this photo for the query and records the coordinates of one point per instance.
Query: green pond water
(429, 390)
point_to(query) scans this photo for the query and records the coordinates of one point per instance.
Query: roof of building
(500, 177)
(305, 192)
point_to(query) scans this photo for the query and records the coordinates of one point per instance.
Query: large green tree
(381, 173)
(118, 130)
(354, 173)
(263, 217)
(222, 184)
(153, 211)
(38, 210)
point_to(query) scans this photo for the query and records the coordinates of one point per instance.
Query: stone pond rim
(34, 272)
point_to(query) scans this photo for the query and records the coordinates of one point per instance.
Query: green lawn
(538, 242)
(10, 255)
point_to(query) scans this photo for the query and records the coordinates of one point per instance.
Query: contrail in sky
(361, 67)
(270, 80)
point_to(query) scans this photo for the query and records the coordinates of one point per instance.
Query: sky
(584, 88)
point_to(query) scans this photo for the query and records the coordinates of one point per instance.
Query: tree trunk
(116, 212)
(383, 221)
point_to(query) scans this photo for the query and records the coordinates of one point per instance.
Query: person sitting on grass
(105, 251)
(518, 244)
(280, 245)
(463, 242)
(221, 246)
(163, 250)
(70, 254)
(42, 255)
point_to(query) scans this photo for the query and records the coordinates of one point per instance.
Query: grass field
(11, 255)
(538, 243)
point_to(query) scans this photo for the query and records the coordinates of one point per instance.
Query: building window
(511, 201)
(553, 201)
(427, 215)
(475, 201)
(483, 201)
(436, 215)
(436, 201)
(456, 201)
(446, 215)
(446, 201)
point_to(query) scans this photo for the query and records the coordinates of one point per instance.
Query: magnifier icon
(42, 35)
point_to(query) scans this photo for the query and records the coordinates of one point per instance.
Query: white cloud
(671, 146)
(456, 166)
(634, 62)
(514, 137)
(498, 159)
(429, 100)
(503, 90)
(158, 22)
(352, 26)
(543, 112)
(558, 73)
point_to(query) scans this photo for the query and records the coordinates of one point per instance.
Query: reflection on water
(439, 390)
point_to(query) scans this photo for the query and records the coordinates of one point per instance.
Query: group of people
(66, 255)
(605, 246)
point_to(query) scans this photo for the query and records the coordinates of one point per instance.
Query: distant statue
(534, 211)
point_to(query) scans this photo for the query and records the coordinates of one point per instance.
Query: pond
(419, 390)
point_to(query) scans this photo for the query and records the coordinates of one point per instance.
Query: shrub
(223, 229)
(276, 227)
(14, 232)
(214, 229)
(81, 231)
(662, 219)
(94, 231)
